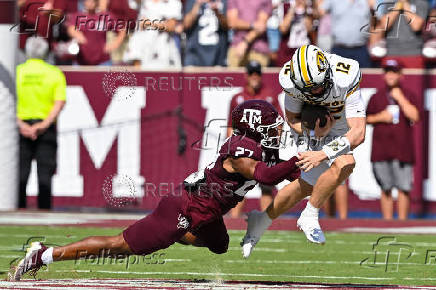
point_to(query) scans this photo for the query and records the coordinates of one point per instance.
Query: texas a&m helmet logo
(252, 117)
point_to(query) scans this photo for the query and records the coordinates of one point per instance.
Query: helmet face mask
(272, 134)
(318, 97)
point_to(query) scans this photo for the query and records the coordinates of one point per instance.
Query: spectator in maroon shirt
(254, 90)
(392, 113)
(89, 29)
(37, 17)
(122, 10)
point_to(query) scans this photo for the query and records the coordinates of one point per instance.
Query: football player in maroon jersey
(254, 89)
(194, 217)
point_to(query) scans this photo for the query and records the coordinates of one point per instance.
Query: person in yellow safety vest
(41, 94)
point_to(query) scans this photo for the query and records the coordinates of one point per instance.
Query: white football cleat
(257, 223)
(32, 262)
(247, 248)
(311, 228)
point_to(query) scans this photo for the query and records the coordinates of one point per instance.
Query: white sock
(47, 256)
(310, 210)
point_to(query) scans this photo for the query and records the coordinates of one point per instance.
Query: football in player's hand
(311, 113)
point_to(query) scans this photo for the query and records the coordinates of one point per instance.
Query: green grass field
(279, 256)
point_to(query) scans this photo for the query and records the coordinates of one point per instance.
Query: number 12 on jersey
(342, 67)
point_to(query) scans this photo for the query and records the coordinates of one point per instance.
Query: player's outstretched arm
(259, 171)
(340, 145)
(356, 133)
(356, 119)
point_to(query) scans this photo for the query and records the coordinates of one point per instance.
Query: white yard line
(224, 274)
(18, 248)
(26, 236)
(11, 256)
(310, 262)
(69, 215)
(392, 230)
(149, 284)
(218, 274)
(261, 249)
(339, 242)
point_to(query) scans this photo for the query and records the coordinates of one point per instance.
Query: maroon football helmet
(258, 120)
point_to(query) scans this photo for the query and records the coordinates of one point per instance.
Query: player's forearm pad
(277, 173)
(338, 146)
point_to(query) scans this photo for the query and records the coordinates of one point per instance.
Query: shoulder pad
(241, 146)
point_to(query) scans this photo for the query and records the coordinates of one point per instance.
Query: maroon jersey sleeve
(241, 146)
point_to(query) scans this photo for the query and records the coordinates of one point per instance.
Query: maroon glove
(277, 173)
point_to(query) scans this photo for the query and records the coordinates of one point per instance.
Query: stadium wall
(139, 134)
(8, 128)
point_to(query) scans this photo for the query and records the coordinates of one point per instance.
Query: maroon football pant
(168, 223)
(214, 236)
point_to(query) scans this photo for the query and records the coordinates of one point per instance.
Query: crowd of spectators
(165, 34)
(159, 34)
